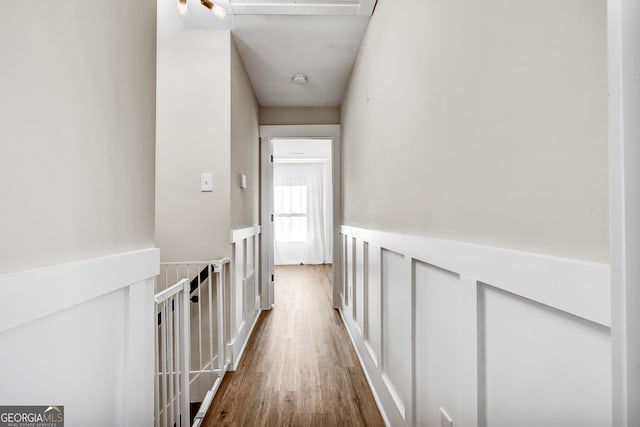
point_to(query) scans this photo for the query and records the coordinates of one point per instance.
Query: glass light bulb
(219, 11)
(182, 8)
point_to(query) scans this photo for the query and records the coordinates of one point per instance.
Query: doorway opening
(299, 202)
(302, 202)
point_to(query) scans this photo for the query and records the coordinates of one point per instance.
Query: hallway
(484, 218)
(299, 367)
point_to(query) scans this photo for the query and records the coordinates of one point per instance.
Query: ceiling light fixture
(217, 10)
(299, 78)
(182, 7)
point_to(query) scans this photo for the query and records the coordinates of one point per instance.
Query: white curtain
(302, 213)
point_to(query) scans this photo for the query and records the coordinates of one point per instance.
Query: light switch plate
(243, 181)
(445, 419)
(206, 182)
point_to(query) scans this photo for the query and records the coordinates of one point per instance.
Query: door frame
(267, 134)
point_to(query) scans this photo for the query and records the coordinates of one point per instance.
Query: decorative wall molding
(552, 281)
(451, 325)
(245, 259)
(240, 234)
(33, 294)
(80, 324)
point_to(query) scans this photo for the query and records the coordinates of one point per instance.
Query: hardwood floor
(299, 367)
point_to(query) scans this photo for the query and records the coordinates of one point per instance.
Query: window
(290, 213)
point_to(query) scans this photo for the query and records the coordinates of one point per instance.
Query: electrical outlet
(445, 419)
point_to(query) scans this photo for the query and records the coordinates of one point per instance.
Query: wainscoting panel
(490, 336)
(437, 314)
(360, 273)
(82, 336)
(348, 274)
(544, 367)
(244, 296)
(396, 329)
(238, 259)
(373, 325)
(344, 288)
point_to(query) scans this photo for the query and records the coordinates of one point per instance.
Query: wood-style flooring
(299, 367)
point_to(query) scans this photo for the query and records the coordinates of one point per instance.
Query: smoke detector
(299, 78)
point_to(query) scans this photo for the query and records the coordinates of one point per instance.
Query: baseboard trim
(236, 360)
(385, 418)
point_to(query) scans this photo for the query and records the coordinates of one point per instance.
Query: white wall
(494, 337)
(493, 132)
(483, 122)
(207, 121)
(76, 237)
(245, 145)
(193, 136)
(77, 106)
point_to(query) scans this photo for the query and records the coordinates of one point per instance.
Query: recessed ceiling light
(299, 78)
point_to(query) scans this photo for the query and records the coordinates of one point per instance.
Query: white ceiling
(279, 38)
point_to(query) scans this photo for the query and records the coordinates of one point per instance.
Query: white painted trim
(240, 234)
(617, 247)
(395, 396)
(410, 413)
(623, 50)
(284, 7)
(371, 353)
(33, 294)
(240, 353)
(468, 378)
(244, 242)
(464, 261)
(409, 267)
(549, 280)
(300, 161)
(301, 131)
(374, 391)
(266, 237)
(298, 9)
(139, 350)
